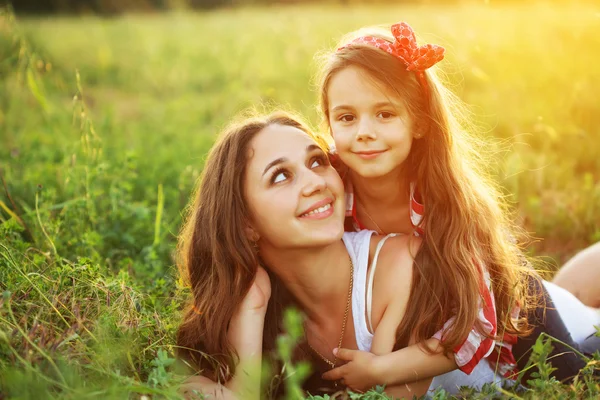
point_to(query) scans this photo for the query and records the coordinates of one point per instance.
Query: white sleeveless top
(358, 246)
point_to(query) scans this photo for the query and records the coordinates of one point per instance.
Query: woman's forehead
(277, 141)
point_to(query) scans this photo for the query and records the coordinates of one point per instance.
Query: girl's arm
(382, 366)
(411, 365)
(416, 364)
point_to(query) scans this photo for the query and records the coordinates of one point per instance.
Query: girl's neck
(318, 279)
(391, 190)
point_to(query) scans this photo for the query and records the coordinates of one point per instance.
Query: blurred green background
(105, 123)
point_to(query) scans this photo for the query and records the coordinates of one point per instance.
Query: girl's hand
(360, 373)
(258, 296)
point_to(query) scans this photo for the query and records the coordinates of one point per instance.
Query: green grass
(97, 169)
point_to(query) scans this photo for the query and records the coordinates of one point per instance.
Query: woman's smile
(320, 210)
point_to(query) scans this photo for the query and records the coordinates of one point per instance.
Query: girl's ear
(419, 132)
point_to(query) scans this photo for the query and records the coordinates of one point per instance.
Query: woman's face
(370, 124)
(296, 198)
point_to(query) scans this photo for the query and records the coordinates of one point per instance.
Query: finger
(356, 390)
(335, 374)
(344, 354)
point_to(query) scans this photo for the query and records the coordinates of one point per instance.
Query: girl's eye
(385, 115)
(279, 176)
(346, 118)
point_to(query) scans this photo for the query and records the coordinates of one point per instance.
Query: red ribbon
(416, 58)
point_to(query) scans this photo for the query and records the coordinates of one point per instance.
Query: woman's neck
(319, 279)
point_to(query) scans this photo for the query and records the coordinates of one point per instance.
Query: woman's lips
(319, 210)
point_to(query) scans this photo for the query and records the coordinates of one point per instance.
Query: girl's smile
(369, 154)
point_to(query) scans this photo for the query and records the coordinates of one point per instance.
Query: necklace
(328, 361)
(379, 230)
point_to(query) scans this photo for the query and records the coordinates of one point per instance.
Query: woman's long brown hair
(216, 258)
(466, 221)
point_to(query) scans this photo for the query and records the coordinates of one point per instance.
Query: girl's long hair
(466, 220)
(216, 258)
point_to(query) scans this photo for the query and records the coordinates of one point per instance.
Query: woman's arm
(245, 334)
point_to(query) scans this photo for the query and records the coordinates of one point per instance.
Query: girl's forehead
(355, 84)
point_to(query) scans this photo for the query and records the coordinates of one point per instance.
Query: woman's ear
(251, 234)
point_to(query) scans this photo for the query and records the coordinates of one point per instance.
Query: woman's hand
(201, 387)
(246, 335)
(259, 294)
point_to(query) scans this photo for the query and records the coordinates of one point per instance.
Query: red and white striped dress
(476, 346)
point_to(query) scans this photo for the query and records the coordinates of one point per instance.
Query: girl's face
(370, 124)
(296, 198)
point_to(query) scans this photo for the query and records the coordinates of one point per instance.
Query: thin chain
(379, 230)
(328, 361)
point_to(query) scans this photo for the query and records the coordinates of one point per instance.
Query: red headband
(405, 48)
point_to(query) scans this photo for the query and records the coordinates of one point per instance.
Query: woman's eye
(279, 176)
(318, 162)
(347, 118)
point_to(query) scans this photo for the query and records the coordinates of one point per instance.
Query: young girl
(410, 167)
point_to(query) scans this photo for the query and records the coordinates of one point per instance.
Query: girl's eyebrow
(384, 104)
(342, 107)
(381, 104)
(281, 160)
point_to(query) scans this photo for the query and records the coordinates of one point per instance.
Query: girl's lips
(368, 155)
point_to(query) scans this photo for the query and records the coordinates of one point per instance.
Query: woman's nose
(313, 183)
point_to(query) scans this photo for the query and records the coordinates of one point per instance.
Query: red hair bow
(404, 47)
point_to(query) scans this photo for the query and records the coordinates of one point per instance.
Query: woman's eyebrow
(313, 147)
(273, 163)
(281, 160)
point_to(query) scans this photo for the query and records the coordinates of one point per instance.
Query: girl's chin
(371, 173)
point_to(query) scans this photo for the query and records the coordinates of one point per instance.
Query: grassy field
(104, 125)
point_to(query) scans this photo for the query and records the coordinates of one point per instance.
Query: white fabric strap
(371, 276)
